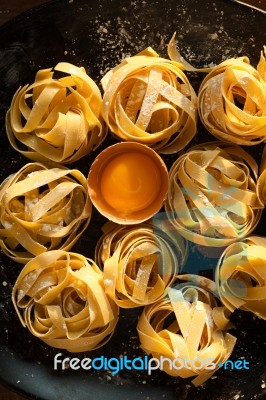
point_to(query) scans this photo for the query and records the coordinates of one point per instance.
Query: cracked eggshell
(128, 183)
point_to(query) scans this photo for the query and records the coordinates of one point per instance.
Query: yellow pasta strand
(261, 186)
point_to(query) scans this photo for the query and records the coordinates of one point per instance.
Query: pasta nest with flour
(60, 298)
(212, 197)
(187, 325)
(56, 119)
(232, 101)
(241, 276)
(148, 99)
(139, 262)
(42, 208)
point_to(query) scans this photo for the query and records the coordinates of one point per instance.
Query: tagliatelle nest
(187, 324)
(148, 99)
(241, 276)
(42, 209)
(232, 101)
(212, 196)
(60, 298)
(139, 263)
(56, 119)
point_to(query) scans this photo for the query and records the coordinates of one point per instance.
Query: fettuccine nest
(139, 262)
(187, 324)
(212, 197)
(57, 119)
(241, 276)
(60, 298)
(232, 101)
(149, 100)
(42, 209)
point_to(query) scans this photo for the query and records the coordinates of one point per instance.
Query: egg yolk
(130, 182)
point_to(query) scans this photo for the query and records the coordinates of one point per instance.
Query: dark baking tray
(97, 34)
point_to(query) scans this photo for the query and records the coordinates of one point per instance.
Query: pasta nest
(241, 276)
(212, 198)
(139, 262)
(232, 101)
(148, 99)
(187, 325)
(60, 298)
(42, 208)
(56, 119)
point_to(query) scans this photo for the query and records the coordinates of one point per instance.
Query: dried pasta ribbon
(148, 99)
(57, 119)
(261, 186)
(187, 324)
(42, 208)
(212, 197)
(139, 262)
(60, 298)
(174, 55)
(241, 276)
(261, 67)
(232, 101)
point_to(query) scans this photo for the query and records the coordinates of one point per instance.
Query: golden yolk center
(130, 182)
